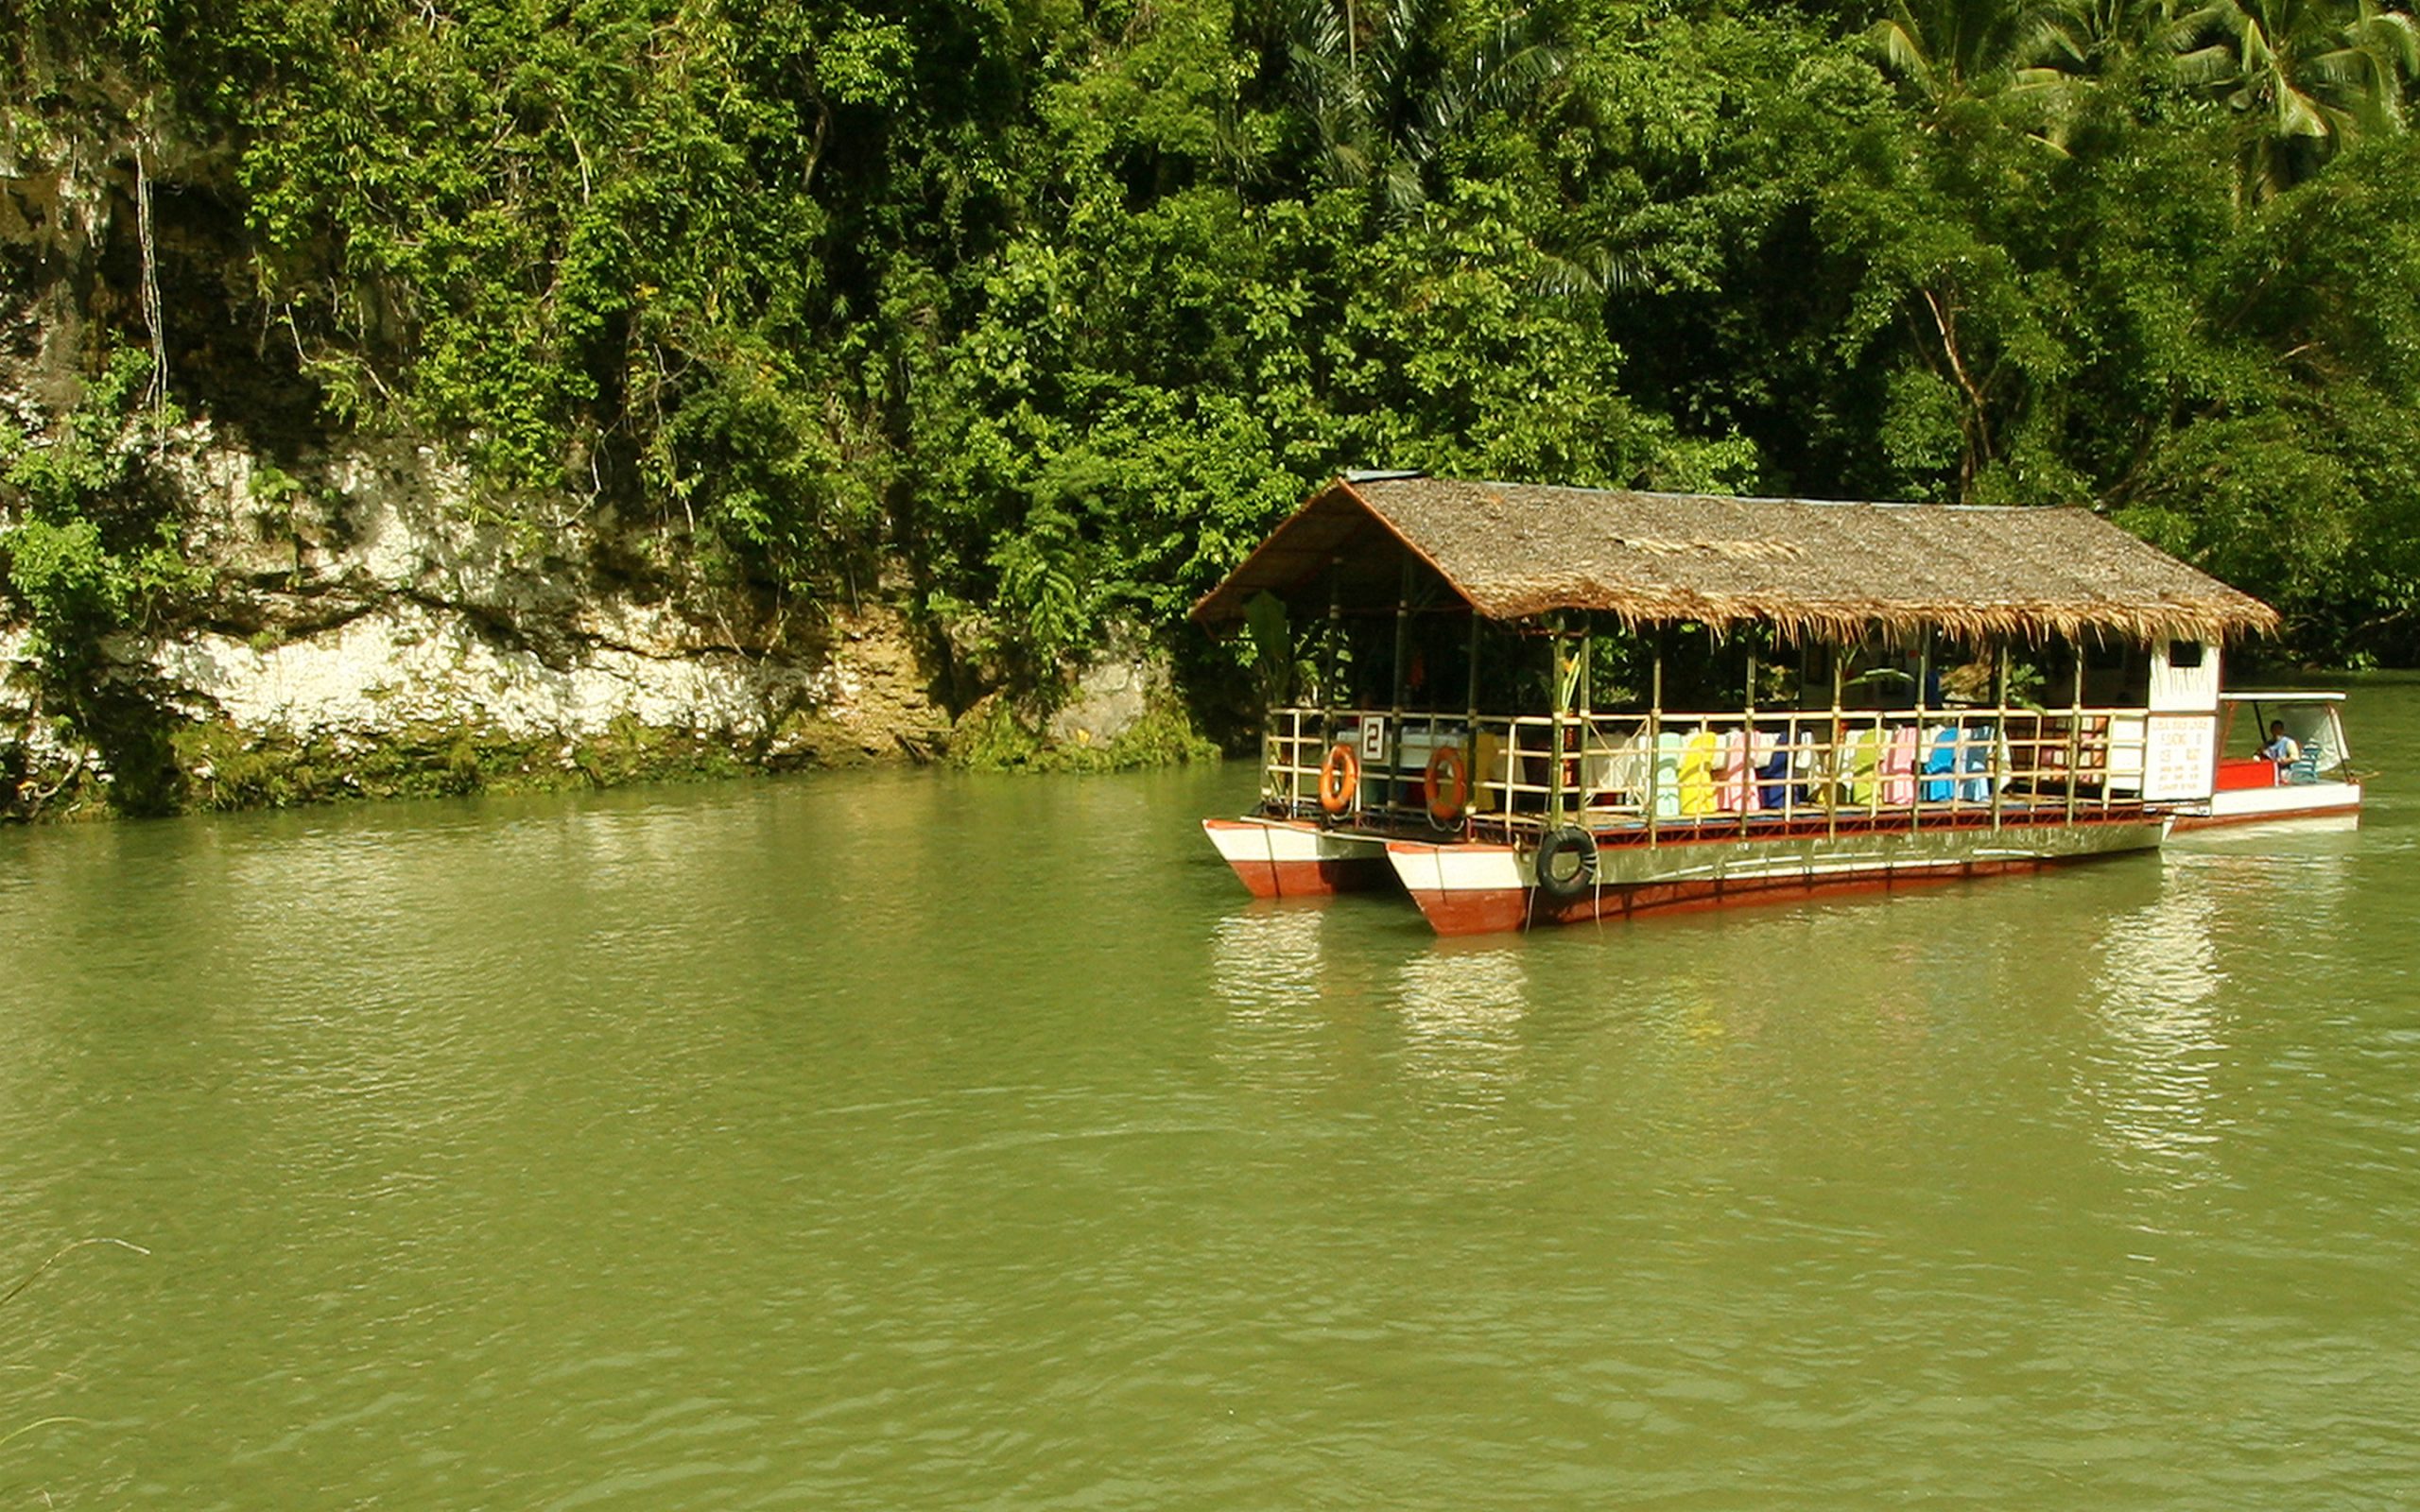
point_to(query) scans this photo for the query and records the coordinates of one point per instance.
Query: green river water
(905, 1140)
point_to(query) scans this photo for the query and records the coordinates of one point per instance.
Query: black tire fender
(1552, 847)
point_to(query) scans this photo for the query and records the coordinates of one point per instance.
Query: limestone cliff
(320, 610)
(361, 623)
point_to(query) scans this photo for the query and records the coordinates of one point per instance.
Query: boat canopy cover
(1811, 569)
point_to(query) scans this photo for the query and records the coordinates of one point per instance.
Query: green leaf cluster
(88, 551)
(1039, 314)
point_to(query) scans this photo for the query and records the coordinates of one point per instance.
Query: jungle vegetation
(1037, 313)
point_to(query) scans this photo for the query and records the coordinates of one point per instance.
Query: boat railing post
(1654, 733)
(2108, 719)
(1310, 748)
(1470, 716)
(1292, 754)
(1999, 729)
(1955, 727)
(1557, 661)
(1282, 783)
(1874, 778)
(1788, 756)
(1916, 764)
(1393, 748)
(1513, 757)
(2075, 734)
(1586, 682)
(1959, 737)
(1832, 771)
(1747, 792)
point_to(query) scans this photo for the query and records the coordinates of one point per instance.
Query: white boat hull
(1292, 858)
(1466, 888)
(2250, 805)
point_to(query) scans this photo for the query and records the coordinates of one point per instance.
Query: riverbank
(220, 767)
(355, 621)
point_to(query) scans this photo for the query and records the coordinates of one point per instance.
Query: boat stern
(1289, 858)
(1464, 889)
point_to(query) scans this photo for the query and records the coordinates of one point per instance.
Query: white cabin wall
(2185, 689)
(2177, 760)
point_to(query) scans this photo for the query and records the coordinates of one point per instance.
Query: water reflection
(2232, 926)
(2157, 1000)
(1461, 1007)
(1265, 960)
(1266, 969)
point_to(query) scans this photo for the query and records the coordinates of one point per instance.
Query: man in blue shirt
(2282, 748)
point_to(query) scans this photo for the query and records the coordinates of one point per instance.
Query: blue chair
(1941, 756)
(1979, 742)
(1773, 776)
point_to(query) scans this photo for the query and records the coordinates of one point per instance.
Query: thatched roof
(1811, 569)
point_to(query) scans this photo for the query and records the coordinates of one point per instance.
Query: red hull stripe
(1478, 911)
(1312, 878)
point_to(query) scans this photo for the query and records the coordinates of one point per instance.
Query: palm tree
(2308, 76)
(2069, 50)
(2035, 62)
(1383, 90)
(1946, 50)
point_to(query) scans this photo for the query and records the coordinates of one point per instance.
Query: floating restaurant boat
(1534, 704)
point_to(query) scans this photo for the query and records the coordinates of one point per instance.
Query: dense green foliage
(90, 553)
(1057, 306)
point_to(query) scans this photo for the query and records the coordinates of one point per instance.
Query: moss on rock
(993, 736)
(223, 767)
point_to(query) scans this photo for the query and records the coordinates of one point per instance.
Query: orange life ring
(1449, 783)
(1340, 778)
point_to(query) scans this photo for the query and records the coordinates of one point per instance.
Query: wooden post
(2000, 725)
(1293, 743)
(1874, 788)
(2075, 732)
(1916, 766)
(1554, 726)
(1394, 708)
(1748, 745)
(1334, 651)
(1470, 718)
(1655, 731)
(1832, 756)
(1470, 697)
(1957, 760)
(1587, 707)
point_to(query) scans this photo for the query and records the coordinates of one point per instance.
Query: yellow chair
(1697, 755)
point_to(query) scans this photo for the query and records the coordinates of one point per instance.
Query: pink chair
(1735, 774)
(1899, 769)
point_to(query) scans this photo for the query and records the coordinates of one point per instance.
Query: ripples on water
(901, 1140)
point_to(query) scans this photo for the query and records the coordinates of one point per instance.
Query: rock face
(361, 598)
(380, 609)
(1112, 694)
(363, 619)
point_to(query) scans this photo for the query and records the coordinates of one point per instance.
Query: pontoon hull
(1473, 889)
(2261, 805)
(1290, 858)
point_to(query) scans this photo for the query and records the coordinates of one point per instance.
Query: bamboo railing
(1682, 774)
